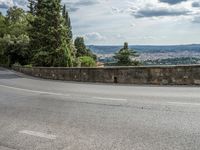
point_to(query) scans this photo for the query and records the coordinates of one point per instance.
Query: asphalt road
(37, 114)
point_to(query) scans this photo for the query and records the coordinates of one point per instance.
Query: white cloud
(196, 19)
(94, 36)
(4, 4)
(115, 20)
(134, 21)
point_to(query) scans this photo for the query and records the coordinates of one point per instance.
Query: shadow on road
(9, 76)
(5, 74)
(2, 69)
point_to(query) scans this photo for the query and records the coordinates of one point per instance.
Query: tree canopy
(125, 56)
(48, 37)
(82, 49)
(42, 36)
(14, 39)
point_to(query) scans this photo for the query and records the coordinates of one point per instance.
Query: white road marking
(180, 103)
(111, 99)
(33, 91)
(38, 134)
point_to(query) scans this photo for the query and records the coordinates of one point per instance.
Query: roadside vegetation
(126, 57)
(43, 36)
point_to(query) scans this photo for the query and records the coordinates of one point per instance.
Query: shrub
(87, 61)
(125, 56)
(16, 64)
(28, 66)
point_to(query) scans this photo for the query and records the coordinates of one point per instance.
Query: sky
(139, 22)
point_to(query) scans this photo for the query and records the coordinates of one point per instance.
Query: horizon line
(142, 44)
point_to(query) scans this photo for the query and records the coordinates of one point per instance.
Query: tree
(80, 47)
(3, 31)
(3, 26)
(67, 23)
(15, 14)
(68, 31)
(82, 50)
(48, 36)
(16, 49)
(14, 40)
(16, 20)
(86, 61)
(31, 7)
(64, 11)
(125, 56)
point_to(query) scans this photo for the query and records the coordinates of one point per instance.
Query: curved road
(37, 114)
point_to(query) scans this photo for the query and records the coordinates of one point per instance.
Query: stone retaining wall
(157, 75)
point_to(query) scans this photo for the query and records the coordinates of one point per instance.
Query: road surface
(38, 114)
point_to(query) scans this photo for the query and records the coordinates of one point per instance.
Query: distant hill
(146, 48)
(154, 55)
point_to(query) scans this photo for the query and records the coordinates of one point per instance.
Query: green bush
(125, 56)
(28, 66)
(16, 64)
(87, 61)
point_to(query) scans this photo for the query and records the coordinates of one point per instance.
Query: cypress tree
(31, 7)
(48, 35)
(124, 56)
(80, 47)
(68, 31)
(64, 11)
(67, 21)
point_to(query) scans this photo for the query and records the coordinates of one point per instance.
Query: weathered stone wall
(158, 75)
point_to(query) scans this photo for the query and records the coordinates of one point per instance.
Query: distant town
(154, 55)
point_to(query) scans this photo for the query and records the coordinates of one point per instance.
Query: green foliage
(3, 26)
(41, 37)
(31, 7)
(62, 56)
(81, 48)
(14, 40)
(67, 23)
(16, 64)
(125, 56)
(49, 42)
(28, 66)
(3, 30)
(87, 61)
(90, 54)
(15, 15)
(41, 58)
(16, 48)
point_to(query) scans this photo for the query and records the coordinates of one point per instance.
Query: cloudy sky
(106, 22)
